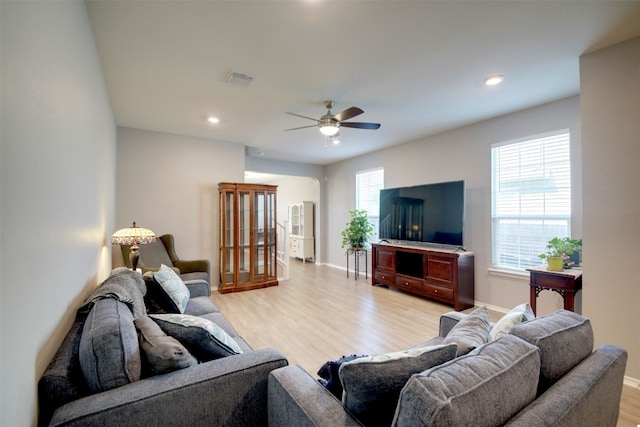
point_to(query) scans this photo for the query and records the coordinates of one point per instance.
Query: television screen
(431, 213)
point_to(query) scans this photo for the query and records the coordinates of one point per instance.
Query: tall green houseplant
(359, 231)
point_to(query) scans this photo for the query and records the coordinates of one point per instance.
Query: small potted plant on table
(560, 253)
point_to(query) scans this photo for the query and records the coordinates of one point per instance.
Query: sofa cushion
(564, 338)
(161, 352)
(372, 384)
(200, 306)
(470, 332)
(485, 388)
(174, 287)
(518, 314)
(109, 352)
(203, 338)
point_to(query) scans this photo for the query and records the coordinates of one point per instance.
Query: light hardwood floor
(320, 315)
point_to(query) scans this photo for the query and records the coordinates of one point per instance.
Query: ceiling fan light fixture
(329, 129)
(496, 79)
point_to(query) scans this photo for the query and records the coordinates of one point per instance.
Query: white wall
(294, 189)
(610, 107)
(57, 188)
(169, 184)
(461, 154)
(316, 174)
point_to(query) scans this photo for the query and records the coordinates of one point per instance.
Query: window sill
(512, 274)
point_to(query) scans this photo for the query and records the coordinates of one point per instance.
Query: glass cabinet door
(301, 219)
(227, 231)
(270, 242)
(295, 220)
(259, 236)
(244, 236)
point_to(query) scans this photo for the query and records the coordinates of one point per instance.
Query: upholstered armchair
(162, 251)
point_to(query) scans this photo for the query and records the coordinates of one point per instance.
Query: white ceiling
(416, 66)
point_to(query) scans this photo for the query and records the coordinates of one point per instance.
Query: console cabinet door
(441, 270)
(384, 265)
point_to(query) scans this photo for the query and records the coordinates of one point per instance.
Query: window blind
(368, 186)
(530, 198)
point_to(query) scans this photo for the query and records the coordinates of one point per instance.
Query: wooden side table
(356, 261)
(567, 283)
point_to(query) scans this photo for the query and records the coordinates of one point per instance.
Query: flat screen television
(430, 213)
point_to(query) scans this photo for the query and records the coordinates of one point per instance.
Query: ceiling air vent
(239, 79)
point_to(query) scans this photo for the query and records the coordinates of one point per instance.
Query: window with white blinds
(530, 198)
(368, 186)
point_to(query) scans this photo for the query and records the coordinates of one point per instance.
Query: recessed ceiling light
(213, 120)
(494, 80)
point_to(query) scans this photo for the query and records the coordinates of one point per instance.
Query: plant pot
(554, 263)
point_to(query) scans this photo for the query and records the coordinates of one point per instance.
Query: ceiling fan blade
(348, 113)
(358, 125)
(303, 127)
(304, 117)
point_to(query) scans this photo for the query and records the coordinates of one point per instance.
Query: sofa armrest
(198, 288)
(448, 321)
(227, 391)
(589, 394)
(193, 266)
(296, 399)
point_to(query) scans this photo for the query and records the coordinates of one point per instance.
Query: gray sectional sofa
(103, 381)
(121, 366)
(543, 372)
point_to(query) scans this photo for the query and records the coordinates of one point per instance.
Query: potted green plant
(358, 231)
(560, 251)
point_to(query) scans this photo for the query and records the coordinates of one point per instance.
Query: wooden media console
(439, 274)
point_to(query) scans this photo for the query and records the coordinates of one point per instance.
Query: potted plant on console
(358, 232)
(562, 252)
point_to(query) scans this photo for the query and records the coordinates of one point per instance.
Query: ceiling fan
(329, 123)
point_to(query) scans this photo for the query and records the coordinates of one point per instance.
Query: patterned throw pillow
(173, 285)
(202, 337)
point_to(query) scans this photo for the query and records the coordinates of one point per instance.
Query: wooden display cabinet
(439, 274)
(247, 237)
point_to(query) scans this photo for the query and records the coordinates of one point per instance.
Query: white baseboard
(632, 382)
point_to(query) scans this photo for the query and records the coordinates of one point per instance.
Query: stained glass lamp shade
(133, 236)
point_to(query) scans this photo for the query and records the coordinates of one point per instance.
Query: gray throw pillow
(470, 332)
(564, 338)
(109, 352)
(162, 352)
(486, 388)
(202, 337)
(372, 384)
